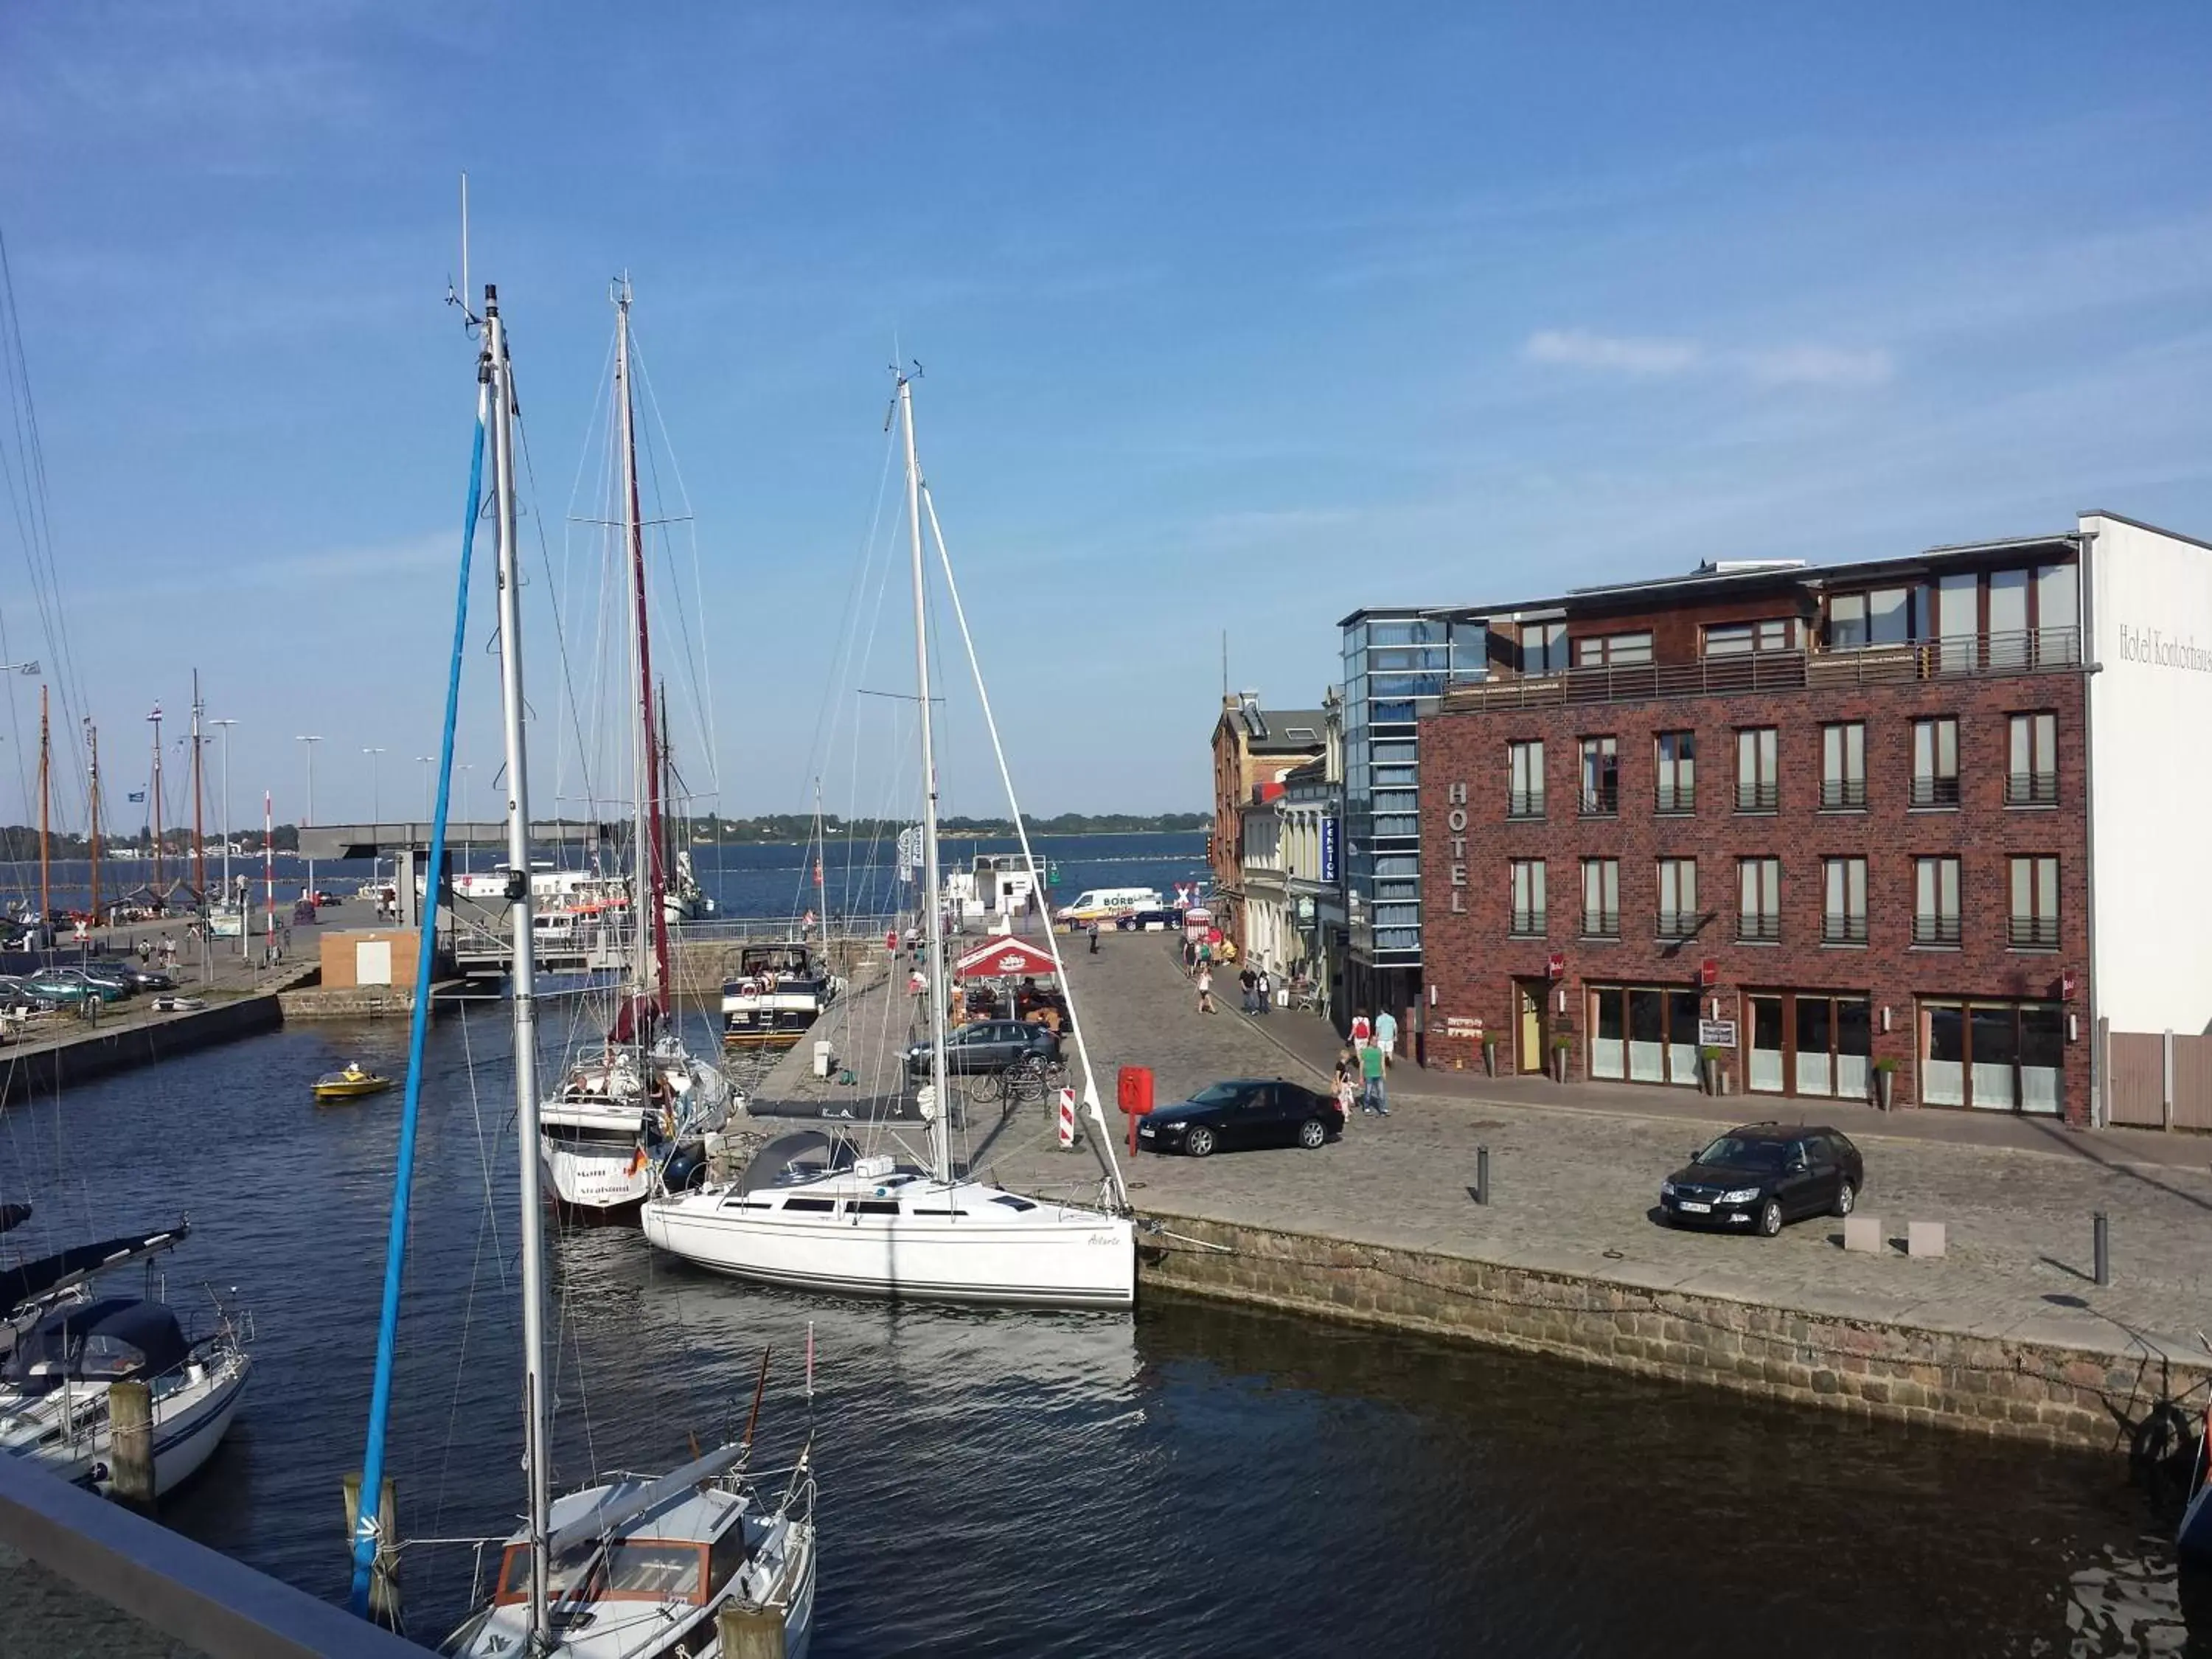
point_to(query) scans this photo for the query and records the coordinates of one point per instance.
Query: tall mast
(92, 740)
(46, 773)
(155, 809)
(199, 828)
(941, 1133)
(495, 370)
(652, 878)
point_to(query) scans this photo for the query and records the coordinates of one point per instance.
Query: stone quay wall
(36, 1069)
(2024, 1389)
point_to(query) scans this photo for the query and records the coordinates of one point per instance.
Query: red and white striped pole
(1067, 1119)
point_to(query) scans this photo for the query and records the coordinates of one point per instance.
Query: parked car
(70, 985)
(986, 1047)
(107, 971)
(145, 979)
(1244, 1111)
(1757, 1178)
(1147, 921)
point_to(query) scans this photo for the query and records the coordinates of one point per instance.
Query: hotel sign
(1328, 851)
(1456, 823)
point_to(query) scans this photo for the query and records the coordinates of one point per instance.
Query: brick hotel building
(1945, 811)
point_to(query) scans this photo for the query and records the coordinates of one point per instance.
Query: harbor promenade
(1571, 1253)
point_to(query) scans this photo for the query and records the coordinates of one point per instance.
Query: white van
(1105, 903)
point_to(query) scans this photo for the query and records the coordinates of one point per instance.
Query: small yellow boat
(351, 1084)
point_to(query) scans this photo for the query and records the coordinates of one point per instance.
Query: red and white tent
(1004, 957)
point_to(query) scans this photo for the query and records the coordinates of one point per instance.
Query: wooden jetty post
(130, 1443)
(750, 1632)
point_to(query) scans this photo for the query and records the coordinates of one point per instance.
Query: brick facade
(1479, 972)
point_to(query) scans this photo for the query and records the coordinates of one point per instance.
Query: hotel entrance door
(1528, 1028)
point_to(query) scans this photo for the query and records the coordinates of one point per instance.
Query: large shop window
(1643, 1033)
(1810, 1043)
(1999, 1056)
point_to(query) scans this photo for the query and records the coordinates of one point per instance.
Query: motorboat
(54, 1388)
(644, 1566)
(809, 1214)
(777, 994)
(351, 1084)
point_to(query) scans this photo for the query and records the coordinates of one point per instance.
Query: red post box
(1133, 1090)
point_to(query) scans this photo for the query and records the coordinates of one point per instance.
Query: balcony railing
(1679, 924)
(1935, 930)
(1934, 792)
(1601, 924)
(1839, 929)
(1602, 802)
(1758, 929)
(2031, 789)
(1525, 804)
(2032, 934)
(2041, 650)
(1528, 924)
(1843, 795)
(1757, 796)
(1677, 798)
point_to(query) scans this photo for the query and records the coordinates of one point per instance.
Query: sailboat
(621, 1112)
(810, 1213)
(642, 1567)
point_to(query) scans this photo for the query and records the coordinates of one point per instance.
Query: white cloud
(1622, 354)
(1818, 365)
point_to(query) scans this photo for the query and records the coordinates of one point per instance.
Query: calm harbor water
(1194, 1480)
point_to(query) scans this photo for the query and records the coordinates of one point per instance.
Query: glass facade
(1397, 664)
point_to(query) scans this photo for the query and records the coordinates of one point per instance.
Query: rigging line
(566, 588)
(702, 682)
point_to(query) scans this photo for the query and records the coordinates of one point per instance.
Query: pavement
(1575, 1171)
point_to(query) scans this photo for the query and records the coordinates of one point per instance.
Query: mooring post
(2102, 1232)
(130, 1443)
(750, 1632)
(1482, 1175)
(384, 1571)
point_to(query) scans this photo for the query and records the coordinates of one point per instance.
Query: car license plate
(1144, 1132)
(1694, 1208)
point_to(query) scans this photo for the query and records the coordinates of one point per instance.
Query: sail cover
(13, 1216)
(787, 1153)
(30, 1281)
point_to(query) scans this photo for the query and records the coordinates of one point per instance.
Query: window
(1756, 789)
(1883, 616)
(2034, 904)
(1743, 639)
(1935, 762)
(1677, 753)
(1543, 647)
(1526, 763)
(2031, 767)
(1843, 766)
(1678, 897)
(2057, 636)
(1601, 898)
(1613, 651)
(1758, 916)
(1935, 901)
(1843, 917)
(1529, 898)
(1600, 778)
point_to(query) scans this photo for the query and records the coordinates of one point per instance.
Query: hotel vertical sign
(1456, 821)
(1328, 851)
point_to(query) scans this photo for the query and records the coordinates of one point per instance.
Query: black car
(1755, 1178)
(987, 1046)
(139, 979)
(1243, 1111)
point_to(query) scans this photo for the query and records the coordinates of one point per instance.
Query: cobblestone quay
(2007, 1332)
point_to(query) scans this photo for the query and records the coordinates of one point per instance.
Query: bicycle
(1028, 1079)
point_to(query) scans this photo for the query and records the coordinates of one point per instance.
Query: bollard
(384, 1573)
(130, 1444)
(744, 1632)
(1482, 1175)
(2101, 1232)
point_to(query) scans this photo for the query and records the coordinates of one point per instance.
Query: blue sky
(1232, 316)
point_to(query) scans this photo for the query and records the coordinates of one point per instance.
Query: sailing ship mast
(651, 881)
(155, 809)
(496, 370)
(45, 772)
(92, 740)
(940, 1132)
(199, 830)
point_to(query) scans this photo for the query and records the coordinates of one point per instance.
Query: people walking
(1361, 1032)
(1205, 989)
(1094, 939)
(1375, 1099)
(1266, 988)
(1345, 1064)
(1386, 1035)
(1248, 978)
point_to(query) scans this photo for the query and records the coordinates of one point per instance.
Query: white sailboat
(634, 1566)
(621, 1112)
(809, 1214)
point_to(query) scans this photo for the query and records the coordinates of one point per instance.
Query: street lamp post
(375, 800)
(465, 768)
(311, 741)
(225, 726)
(426, 761)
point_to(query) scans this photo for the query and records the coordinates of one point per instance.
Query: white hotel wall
(2150, 734)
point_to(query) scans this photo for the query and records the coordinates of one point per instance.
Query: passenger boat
(812, 1214)
(779, 993)
(351, 1084)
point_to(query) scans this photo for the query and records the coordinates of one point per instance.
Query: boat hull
(350, 1090)
(604, 1185)
(188, 1425)
(1086, 1261)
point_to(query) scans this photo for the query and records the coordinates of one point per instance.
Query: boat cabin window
(728, 1556)
(818, 1203)
(920, 1212)
(633, 1570)
(749, 1204)
(874, 1206)
(1013, 1203)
